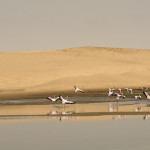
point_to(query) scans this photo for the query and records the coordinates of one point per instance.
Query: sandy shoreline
(12, 95)
(42, 73)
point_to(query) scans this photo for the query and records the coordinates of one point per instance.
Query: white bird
(78, 90)
(129, 90)
(111, 93)
(144, 88)
(53, 99)
(113, 89)
(120, 96)
(138, 97)
(120, 91)
(109, 89)
(126, 89)
(147, 95)
(65, 101)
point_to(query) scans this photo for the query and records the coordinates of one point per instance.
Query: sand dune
(88, 67)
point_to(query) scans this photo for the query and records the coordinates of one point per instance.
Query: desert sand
(90, 68)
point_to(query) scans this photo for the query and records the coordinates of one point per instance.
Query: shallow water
(88, 109)
(78, 100)
(128, 133)
(71, 127)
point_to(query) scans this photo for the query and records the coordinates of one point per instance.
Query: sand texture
(88, 67)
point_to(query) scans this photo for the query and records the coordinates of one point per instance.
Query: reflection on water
(146, 117)
(108, 126)
(93, 111)
(127, 133)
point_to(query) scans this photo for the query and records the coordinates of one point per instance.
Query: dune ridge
(88, 67)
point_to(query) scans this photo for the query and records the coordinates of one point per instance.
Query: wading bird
(120, 91)
(138, 97)
(144, 88)
(129, 90)
(147, 95)
(77, 89)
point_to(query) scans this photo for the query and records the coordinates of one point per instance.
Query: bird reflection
(117, 117)
(146, 117)
(138, 109)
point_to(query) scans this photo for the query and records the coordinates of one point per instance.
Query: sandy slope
(87, 67)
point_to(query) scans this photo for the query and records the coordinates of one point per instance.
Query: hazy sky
(60, 24)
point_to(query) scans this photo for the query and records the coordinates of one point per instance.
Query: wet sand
(14, 95)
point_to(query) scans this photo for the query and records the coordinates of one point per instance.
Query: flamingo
(78, 90)
(113, 89)
(53, 99)
(120, 91)
(109, 89)
(129, 90)
(120, 96)
(111, 93)
(138, 97)
(65, 101)
(144, 88)
(147, 95)
(146, 117)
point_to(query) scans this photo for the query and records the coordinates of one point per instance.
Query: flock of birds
(65, 101)
(111, 92)
(121, 95)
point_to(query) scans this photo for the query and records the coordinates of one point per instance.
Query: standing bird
(147, 95)
(120, 91)
(129, 90)
(113, 89)
(144, 88)
(77, 89)
(138, 97)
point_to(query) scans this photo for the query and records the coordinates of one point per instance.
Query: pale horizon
(55, 25)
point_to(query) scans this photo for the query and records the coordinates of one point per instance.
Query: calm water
(21, 128)
(128, 133)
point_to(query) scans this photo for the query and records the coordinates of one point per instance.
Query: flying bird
(53, 99)
(120, 96)
(65, 101)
